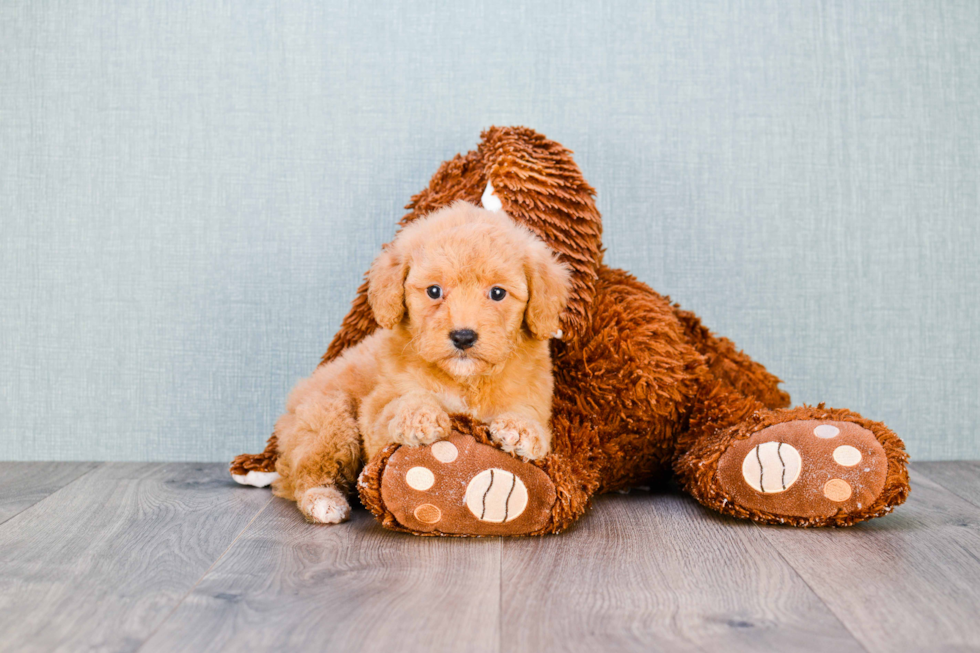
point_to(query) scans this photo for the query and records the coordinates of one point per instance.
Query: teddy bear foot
(809, 468)
(258, 469)
(459, 487)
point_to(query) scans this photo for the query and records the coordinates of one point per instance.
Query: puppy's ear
(386, 286)
(548, 288)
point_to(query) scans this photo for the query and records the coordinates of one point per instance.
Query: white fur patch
(490, 201)
(461, 367)
(326, 505)
(256, 479)
(328, 511)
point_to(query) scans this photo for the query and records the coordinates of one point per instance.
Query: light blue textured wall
(190, 192)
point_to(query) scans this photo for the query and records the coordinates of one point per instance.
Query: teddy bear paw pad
(458, 486)
(805, 468)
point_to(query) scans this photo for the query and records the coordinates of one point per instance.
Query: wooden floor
(175, 557)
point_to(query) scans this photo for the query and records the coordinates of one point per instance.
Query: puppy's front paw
(417, 423)
(523, 437)
(324, 505)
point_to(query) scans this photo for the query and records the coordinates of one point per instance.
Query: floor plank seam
(204, 575)
(952, 490)
(909, 581)
(796, 571)
(500, 595)
(63, 487)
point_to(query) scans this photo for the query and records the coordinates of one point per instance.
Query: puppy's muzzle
(463, 338)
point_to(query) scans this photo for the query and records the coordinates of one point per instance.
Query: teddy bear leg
(728, 364)
(806, 466)
(257, 469)
(466, 485)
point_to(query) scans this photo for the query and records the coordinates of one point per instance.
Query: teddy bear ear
(490, 201)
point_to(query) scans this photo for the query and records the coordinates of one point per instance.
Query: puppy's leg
(521, 434)
(324, 505)
(320, 455)
(415, 419)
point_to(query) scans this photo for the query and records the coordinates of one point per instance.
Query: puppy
(467, 301)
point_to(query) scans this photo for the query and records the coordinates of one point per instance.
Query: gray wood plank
(101, 562)
(289, 585)
(22, 484)
(658, 572)
(960, 477)
(909, 581)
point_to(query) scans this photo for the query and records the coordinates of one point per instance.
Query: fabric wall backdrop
(190, 192)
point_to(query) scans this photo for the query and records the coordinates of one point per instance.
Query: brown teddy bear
(642, 390)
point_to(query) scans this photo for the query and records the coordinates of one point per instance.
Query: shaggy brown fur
(642, 389)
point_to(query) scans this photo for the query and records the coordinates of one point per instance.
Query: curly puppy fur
(467, 301)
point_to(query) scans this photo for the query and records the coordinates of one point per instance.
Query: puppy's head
(470, 285)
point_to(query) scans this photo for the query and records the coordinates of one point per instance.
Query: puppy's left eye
(434, 292)
(497, 293)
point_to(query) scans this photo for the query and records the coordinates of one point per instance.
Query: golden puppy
(467, 300)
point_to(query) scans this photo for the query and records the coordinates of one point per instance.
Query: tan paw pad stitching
(826, 431)
(496, 495)
(837, 489)
(771, 467)
(847, 456)
(420, 478)
(444, 452)
(428, 513)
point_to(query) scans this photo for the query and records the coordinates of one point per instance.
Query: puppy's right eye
(434, 292)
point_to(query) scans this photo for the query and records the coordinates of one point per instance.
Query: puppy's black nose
(463, 338)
